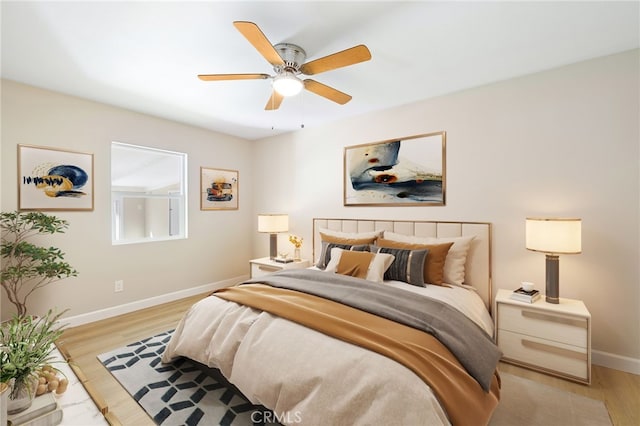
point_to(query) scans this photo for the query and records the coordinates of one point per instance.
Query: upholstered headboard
(478, 265)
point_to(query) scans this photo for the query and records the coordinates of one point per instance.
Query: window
(148, 194)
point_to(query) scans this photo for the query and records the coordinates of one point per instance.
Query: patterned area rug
(180, 393)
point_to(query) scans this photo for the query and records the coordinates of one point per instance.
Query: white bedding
(309, 377)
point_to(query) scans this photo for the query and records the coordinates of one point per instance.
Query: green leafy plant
(26, 266)
(26, 344)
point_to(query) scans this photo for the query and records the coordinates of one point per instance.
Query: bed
(358, 338)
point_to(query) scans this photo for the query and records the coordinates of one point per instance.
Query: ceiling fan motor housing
(292, 55)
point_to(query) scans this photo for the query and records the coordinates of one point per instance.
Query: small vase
(296, 255)
(20, 396)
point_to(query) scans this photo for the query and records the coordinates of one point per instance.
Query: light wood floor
(620, 391)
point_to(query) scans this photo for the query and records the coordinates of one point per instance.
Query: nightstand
(265, 265)
(551, 338)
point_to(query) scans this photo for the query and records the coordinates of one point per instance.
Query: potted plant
(26, 345)
(26, 266)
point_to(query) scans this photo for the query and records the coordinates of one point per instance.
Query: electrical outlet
(119, 286)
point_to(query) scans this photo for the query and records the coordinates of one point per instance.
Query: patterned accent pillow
(408, 265)
(433, 264)
(325, 254)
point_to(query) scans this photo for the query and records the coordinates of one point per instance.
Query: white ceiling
(145, 56)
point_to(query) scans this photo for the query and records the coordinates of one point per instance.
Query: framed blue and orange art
(218, 189)
(54, 179)
(408, 171)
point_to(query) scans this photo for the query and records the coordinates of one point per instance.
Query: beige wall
(558, 143)
(38, 117)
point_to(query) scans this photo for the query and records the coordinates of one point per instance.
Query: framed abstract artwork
(54, 179)
(408, 171)
(218, 189)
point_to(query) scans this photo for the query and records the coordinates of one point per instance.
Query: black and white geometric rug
(180, 393)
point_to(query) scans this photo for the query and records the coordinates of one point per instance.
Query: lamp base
(552, 285)
(273, 246)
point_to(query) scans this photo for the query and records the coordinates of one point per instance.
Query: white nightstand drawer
(567, 329)
(554, 356)
(258, 270)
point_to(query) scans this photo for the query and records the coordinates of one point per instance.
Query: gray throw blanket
(465, 339)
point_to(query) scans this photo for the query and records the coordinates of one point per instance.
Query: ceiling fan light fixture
(287, 84)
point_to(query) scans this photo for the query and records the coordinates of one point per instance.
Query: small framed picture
(218, 189)
(54, 179)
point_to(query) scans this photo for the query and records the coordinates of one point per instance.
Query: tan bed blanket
(461, 396)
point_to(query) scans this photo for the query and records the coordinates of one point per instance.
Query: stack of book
(44, 411)
(522, 295)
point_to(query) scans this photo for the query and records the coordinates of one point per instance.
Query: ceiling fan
(288, 61)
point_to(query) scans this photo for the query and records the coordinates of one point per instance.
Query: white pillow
(378, 266)
(454, 264)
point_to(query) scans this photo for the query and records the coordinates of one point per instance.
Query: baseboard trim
(101, 314)
(617, 362)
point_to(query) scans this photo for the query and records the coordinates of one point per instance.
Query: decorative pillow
(325, 253)
(433, 264)
(349, 237)
(350, 263)
(354, 263)
(454, 266)
(408, 265)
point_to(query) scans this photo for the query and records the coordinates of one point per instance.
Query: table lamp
(272, 224)
(553, 236)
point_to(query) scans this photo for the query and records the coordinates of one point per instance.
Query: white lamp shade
(554, 235)
(272, 223)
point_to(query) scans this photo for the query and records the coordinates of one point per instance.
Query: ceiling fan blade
(220, 77)
(257, 38)
(341, 59)
(326, 91)
(274, 101)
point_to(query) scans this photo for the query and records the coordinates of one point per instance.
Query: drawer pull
(553, 318)
(268, 268)
(554, 350)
